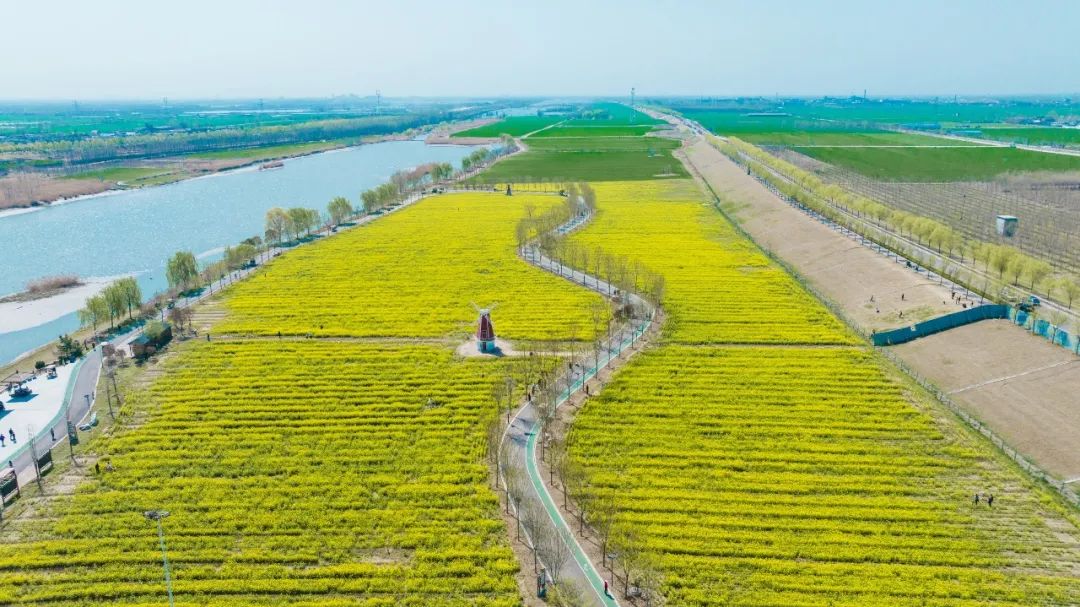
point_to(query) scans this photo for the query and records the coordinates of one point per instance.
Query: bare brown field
(845, 271)
(1020, 385)
(22, 189)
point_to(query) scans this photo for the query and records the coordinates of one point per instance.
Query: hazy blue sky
(80, 49)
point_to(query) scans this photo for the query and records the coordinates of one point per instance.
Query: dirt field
(22, 189)
(875, 291)
(1021, 386)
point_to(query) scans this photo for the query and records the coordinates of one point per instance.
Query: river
(136, 231)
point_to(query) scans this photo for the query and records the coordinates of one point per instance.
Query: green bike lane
(624, 340)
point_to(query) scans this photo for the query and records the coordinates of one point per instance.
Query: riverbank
(20, 315)
(26, 192)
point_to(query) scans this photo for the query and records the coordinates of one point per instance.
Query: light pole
(157, 515)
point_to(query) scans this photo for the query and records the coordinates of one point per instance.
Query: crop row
(414, 274)
(708, 503)
(760, 456)
(321, 501)
(719, 287)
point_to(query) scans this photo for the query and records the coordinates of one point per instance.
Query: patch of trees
(121, 297)
(182, 271)
(617, 271)
(285, 225)
(339, 209)
(68, 349)
(483, 157)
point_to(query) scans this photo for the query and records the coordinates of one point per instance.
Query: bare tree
(537, 526)
(599, 320)
(1058, 319)
(602, 519)
(179, 316)
(516, 486)
(555, 550)
(495, 429)
(627, 547)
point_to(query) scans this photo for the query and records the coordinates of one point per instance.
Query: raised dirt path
(876, 291)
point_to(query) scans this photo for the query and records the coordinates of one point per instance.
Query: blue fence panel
(1044, 328)
(941, 323)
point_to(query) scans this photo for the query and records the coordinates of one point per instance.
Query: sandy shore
(19, 315)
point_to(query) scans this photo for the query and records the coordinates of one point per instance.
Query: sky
(127, 49)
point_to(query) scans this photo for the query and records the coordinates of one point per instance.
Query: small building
(485, 332)
(153, 338)
(1007, 225)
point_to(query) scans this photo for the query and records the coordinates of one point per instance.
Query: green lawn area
(941, 164)
(594, 130)
(592, 144)
(515, 126)
(798, 138)
(584, 166)
(609, 147)
(744, 123)
(1038, 135)
(724, 116)
(590, 159)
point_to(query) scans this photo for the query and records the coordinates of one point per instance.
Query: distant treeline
(43, 155)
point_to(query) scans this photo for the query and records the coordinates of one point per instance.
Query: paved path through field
(523, 431)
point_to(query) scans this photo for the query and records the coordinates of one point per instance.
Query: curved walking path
(524, 430)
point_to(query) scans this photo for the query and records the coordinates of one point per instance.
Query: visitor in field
(976, 499)
(990, 500)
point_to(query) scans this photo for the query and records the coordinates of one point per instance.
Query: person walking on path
(990, 501)
(976, 499)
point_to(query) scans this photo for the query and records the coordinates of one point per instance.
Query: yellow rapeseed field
(761, 457)
(415, 274)
(296, 472)
(719, 286)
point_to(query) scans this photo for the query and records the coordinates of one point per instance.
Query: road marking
(1013, 376)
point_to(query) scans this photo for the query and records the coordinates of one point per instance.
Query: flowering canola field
(415, 274)
(759, 460)
(295, 472)
(315, 471)
(719, 286)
